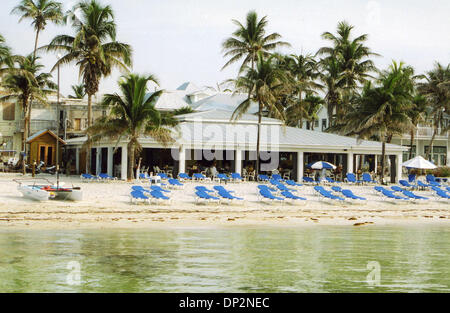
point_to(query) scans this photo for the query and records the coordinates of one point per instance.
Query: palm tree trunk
(131, 162)
(34, 60)
(258, 140)
(383, 157)
(88, 151)
(36, 43)
(411, 143)
(25, 136)
(430, 148)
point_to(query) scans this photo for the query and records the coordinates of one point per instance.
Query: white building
(208, 135)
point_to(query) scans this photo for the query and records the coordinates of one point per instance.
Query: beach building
(208, 135)
(71, 115)
(422, 137)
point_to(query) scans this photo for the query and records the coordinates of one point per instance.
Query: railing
(36, 125)
(428, 132)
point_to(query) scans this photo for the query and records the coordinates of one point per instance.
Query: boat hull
(34, 193)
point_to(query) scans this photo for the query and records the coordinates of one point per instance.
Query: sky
(180, 40)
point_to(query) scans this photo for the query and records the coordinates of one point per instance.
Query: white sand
(107, 205)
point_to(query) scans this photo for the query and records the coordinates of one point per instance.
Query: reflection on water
(308, 259)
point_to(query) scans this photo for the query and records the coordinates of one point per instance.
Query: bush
(443, 171)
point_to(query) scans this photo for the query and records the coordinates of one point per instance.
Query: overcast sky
(180, 40)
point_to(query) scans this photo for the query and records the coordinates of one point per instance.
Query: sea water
(302, 259)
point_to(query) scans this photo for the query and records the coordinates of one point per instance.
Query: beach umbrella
(319, 165)
(419, 162)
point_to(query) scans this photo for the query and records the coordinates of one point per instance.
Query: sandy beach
(107, 205)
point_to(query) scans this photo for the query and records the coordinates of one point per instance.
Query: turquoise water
(307, 259)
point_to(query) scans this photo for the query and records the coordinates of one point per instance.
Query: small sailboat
(41, 189)
(33, 191)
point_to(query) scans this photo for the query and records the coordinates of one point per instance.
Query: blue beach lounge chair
(88, 177)
(330, 180)
(184, 176)
(412, 195)
(266, 187)
(406, 184)
(262, 177)
(175, 183)
(203, 188)
(290, 182)
(264, 193)
(277, 177)
(308, 180)
(236, 177)
(291, 196)
(106, 177)
(351, 178)
(158, 195)
(411, 178)
(158, 188)
(163, 176)
(200, 177)
(138, 195)
(349, 194)
(144, 176)
(226, 195)
(367, 178)
(203, 195)
(222, 177)
(325, 194)
(336, 189)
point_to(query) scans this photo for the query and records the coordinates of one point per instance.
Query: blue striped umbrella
(321, 165)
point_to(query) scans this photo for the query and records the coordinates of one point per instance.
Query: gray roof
(171, 100)
(275, 136)
(223, 101)
(188, 87)
(213, 128)
(223, 116)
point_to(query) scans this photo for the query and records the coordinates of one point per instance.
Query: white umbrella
(321, 165)
(419, 162)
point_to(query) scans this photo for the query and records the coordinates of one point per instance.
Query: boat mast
(57, 134)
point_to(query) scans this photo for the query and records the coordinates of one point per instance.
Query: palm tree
(436, 90)
(24, 81)
(78, 91)
(93, 49)
(302, 71)
(353, 63)
(133, 114)
(382, 110)
(418, 114)
(5, 52)
(40, 12)
(247, 41)
(263, 85)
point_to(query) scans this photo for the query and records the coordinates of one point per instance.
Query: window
(103, 113)
(324, 124)
(439, 155)
(9, 112)
(316, 124)
(77, 124)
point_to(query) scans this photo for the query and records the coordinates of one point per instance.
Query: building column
(448, 150)
(399, 160)
(376, 163)
(98, 153)
(182, 160)
(350, 162)
(300, 162)
(124, 164)
(110, 161)
(238, 161)
(77, 160)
